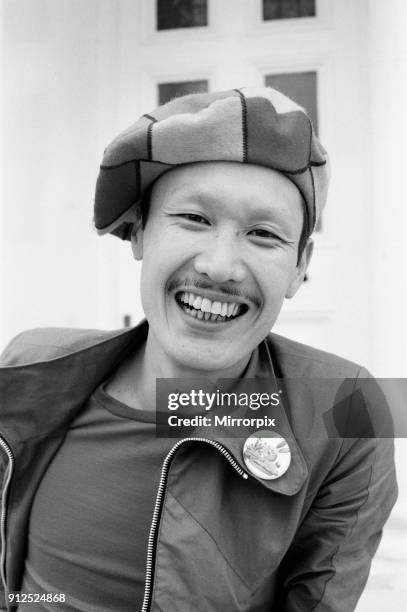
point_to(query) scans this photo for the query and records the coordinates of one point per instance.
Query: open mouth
(204, 309)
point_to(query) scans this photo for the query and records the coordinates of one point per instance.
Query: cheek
(275, 275)
(165, 252)
(163, 257)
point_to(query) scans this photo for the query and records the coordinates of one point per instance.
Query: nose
(220, 260)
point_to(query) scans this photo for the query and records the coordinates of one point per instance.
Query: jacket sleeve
(11, 355)
(2, 476)
(328, 563)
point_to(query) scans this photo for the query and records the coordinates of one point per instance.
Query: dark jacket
(221, 539)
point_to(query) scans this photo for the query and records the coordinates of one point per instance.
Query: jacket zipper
(158, 507)
(6, 448)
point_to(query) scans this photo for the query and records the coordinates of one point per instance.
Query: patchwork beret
(249, 125)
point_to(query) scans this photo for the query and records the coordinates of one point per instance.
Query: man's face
(219, 255)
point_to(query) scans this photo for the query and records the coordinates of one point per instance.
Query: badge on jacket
(267, 455)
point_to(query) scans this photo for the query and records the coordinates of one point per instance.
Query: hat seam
(150, 139)
(150, 117)
(245, 138)
(110, 226)
(314, 204)
(137, 160)
(310, 139)
(300, 170)
(314, 210)
(314, 207)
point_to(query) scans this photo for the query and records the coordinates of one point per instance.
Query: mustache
(178, 283)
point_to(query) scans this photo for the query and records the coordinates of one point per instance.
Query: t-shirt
(92, 511)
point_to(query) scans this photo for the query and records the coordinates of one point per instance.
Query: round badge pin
(267, 455)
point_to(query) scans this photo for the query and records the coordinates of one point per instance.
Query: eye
(263, 233)
(194, 218)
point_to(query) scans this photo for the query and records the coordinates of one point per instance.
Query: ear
(137, 236)
(300, 269)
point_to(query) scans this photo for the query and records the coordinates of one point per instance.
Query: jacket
(221, 539)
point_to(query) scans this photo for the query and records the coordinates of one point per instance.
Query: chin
(202, 362)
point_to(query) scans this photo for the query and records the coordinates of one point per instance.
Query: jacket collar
(42, 397)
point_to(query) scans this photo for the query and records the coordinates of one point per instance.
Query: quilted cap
(249, 125)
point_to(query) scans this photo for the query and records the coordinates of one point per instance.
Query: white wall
(51, 124)
(387, 211)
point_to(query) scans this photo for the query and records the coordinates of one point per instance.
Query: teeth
(198, 302)
(206, 305)
(216, 308)
(206, 316)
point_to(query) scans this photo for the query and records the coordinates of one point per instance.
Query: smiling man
(218, 194)
(219, 231)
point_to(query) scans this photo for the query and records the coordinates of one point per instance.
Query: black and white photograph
(203, 306)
